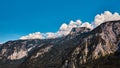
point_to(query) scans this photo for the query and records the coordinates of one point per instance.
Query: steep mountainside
(81, 48)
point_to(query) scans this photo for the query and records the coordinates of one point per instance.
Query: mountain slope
(82, 49)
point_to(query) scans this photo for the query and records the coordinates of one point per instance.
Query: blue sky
(21, 17)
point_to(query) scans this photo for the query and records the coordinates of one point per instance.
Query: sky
(21, 17)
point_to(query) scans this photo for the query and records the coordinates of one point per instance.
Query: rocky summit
(81, 48)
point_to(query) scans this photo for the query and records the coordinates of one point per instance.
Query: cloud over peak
(66, 28)
(106, 16)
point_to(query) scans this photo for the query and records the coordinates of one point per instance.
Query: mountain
(81, 48)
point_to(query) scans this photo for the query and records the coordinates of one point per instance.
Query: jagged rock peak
(79, 30)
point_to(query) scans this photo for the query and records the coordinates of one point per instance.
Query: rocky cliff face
(100, 42)
(81, 48)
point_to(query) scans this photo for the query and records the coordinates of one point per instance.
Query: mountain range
(81, 48)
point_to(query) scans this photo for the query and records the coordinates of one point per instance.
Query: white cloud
(106, 16)
(78, 22)
(63, 26)
(66, 28)
(63, 31)
(88, 25)
(51, 35)
(36, 35)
